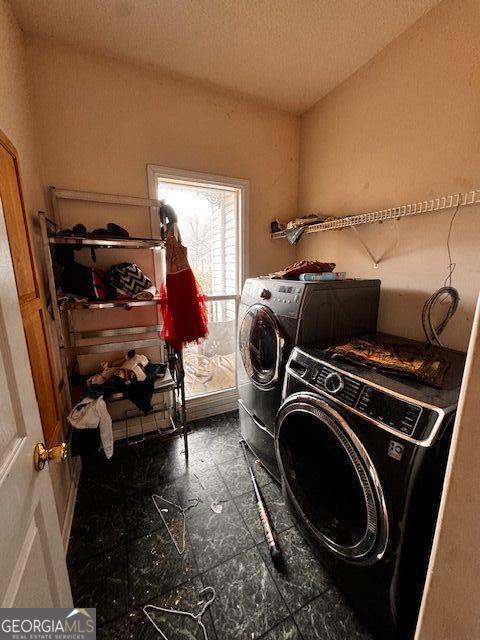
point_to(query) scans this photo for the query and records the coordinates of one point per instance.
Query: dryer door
(330, 479)
(261, 346)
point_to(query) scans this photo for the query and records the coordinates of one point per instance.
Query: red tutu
(185, 317)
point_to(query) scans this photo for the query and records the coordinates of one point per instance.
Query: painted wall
(99, 122)
(404, 127)
(17, 124)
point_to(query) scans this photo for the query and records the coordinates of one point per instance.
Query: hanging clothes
(91, 422)
(185, 312)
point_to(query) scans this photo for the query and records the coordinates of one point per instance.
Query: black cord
(444, 295)
(433, 332)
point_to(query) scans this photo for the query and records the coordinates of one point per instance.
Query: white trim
(209, 179)
(210, 404)
(70, 509)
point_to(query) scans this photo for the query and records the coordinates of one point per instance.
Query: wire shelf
(434, 205)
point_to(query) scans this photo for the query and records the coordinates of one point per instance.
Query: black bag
(82, 281)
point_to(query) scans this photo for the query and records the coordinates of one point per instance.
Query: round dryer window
(330, 478)
(261, 346)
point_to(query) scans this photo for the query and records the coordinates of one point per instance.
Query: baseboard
(70, 510)
(211, 405)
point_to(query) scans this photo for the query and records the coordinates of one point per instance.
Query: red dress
(184, 313)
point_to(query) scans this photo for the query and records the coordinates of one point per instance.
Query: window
(210, 215)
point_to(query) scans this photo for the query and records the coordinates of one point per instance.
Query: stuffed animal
(133, 365)
(130, 369)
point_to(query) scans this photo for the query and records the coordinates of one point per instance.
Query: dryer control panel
(377, 405)
(282, 297)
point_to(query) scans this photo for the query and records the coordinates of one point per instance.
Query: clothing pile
(295, 228)
(122, 281)
(80, 282)
(134, 376)
(294, 271)
(112, 230)
(91, 427)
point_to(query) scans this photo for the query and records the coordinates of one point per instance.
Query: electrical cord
(445, 295)
(432, 331)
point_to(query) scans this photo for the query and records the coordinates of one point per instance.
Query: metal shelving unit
(72, 341)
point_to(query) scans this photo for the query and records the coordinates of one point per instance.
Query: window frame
(223, 400)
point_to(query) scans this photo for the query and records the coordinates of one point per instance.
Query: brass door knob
(42, 455)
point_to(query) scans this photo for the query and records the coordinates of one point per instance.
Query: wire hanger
(197, 617)
(183, 511)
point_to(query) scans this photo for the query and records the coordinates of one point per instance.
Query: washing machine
(362, 456)
(276, 315)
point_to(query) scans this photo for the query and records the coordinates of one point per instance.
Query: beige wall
(99, 122)
(16, 123)
(15, 114)
(404, 127)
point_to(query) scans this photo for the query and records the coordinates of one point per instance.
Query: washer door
(261, 346)
(330, 478)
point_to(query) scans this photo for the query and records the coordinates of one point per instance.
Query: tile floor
(121, 557)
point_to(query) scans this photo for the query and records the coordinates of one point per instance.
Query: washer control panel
(380, 406)
(389, 410)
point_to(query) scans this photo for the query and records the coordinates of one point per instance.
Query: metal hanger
(197, 617)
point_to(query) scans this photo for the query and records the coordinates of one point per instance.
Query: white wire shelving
(423, 207)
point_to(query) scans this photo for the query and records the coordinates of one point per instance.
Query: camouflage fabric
(415, 361)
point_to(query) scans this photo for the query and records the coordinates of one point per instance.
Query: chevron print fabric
(127, 279)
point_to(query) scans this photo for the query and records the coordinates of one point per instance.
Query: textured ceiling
(285, 53)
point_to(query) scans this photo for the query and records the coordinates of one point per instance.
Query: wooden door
(33, 571)
(31, 308)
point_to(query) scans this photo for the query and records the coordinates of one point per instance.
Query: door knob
(42, 455)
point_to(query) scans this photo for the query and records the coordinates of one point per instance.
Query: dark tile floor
(121, 558)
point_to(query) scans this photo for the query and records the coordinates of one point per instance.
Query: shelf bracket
(375, 260)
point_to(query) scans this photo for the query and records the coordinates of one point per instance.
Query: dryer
(276, 315)
(362, 457)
